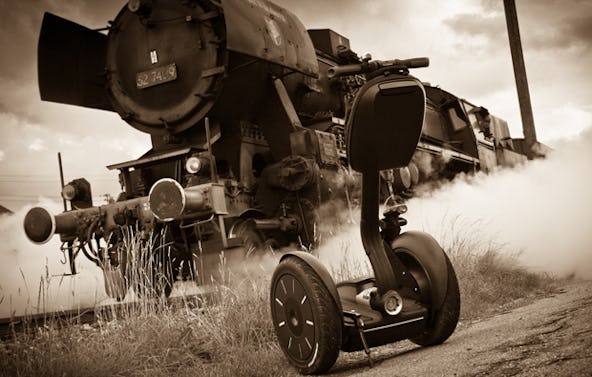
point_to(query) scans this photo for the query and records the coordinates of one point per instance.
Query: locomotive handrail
(367, 67)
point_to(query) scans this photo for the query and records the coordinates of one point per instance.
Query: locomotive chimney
(530, 137)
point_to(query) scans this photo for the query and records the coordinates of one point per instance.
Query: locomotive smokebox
(164, 67)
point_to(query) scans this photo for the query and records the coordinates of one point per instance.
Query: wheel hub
(294, 317)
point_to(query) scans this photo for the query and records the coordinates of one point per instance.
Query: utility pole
(530, 137)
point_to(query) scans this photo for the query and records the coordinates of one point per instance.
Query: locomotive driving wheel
(253, 240)
(305, 317)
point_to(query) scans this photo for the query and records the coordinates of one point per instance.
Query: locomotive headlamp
(193, 165)
(78, 192)
(197, 164)
(139, 6)
(69, 192)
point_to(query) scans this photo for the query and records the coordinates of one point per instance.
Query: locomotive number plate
(156, 76)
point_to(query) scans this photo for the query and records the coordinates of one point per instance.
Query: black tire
(306, 319)
(445, 319)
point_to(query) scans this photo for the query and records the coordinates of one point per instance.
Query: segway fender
(430, 255)
(320, 270)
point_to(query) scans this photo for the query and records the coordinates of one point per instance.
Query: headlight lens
(69, 192)
(193, 165)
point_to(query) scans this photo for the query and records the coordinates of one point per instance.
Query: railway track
(11, 327)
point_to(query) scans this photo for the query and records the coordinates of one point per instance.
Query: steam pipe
(286, 224)
(213, 170)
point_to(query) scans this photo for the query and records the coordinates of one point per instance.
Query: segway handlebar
(370, 66)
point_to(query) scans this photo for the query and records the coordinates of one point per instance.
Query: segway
(414, 293)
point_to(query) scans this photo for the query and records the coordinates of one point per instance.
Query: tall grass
(490, 275)
(230, 333)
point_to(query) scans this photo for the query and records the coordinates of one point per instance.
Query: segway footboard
(364, 327)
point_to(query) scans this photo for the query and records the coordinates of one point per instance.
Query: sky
(466, 42)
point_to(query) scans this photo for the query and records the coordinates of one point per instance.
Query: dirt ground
(548, 337)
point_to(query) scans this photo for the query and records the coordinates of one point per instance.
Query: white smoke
(538, 210)
(32, 276)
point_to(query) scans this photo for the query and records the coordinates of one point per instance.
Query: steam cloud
(31, 276)
(539, 210)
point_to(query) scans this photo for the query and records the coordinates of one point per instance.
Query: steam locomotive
(255, 124)
(246, 111)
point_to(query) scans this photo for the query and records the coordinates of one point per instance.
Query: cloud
(84, 154)
(574, 119)
(479, 32)
(20, 23)
(37, 145)
(489, 25)
(552, 25)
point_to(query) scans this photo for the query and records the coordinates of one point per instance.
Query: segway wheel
(306, 318)
(445, 319)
